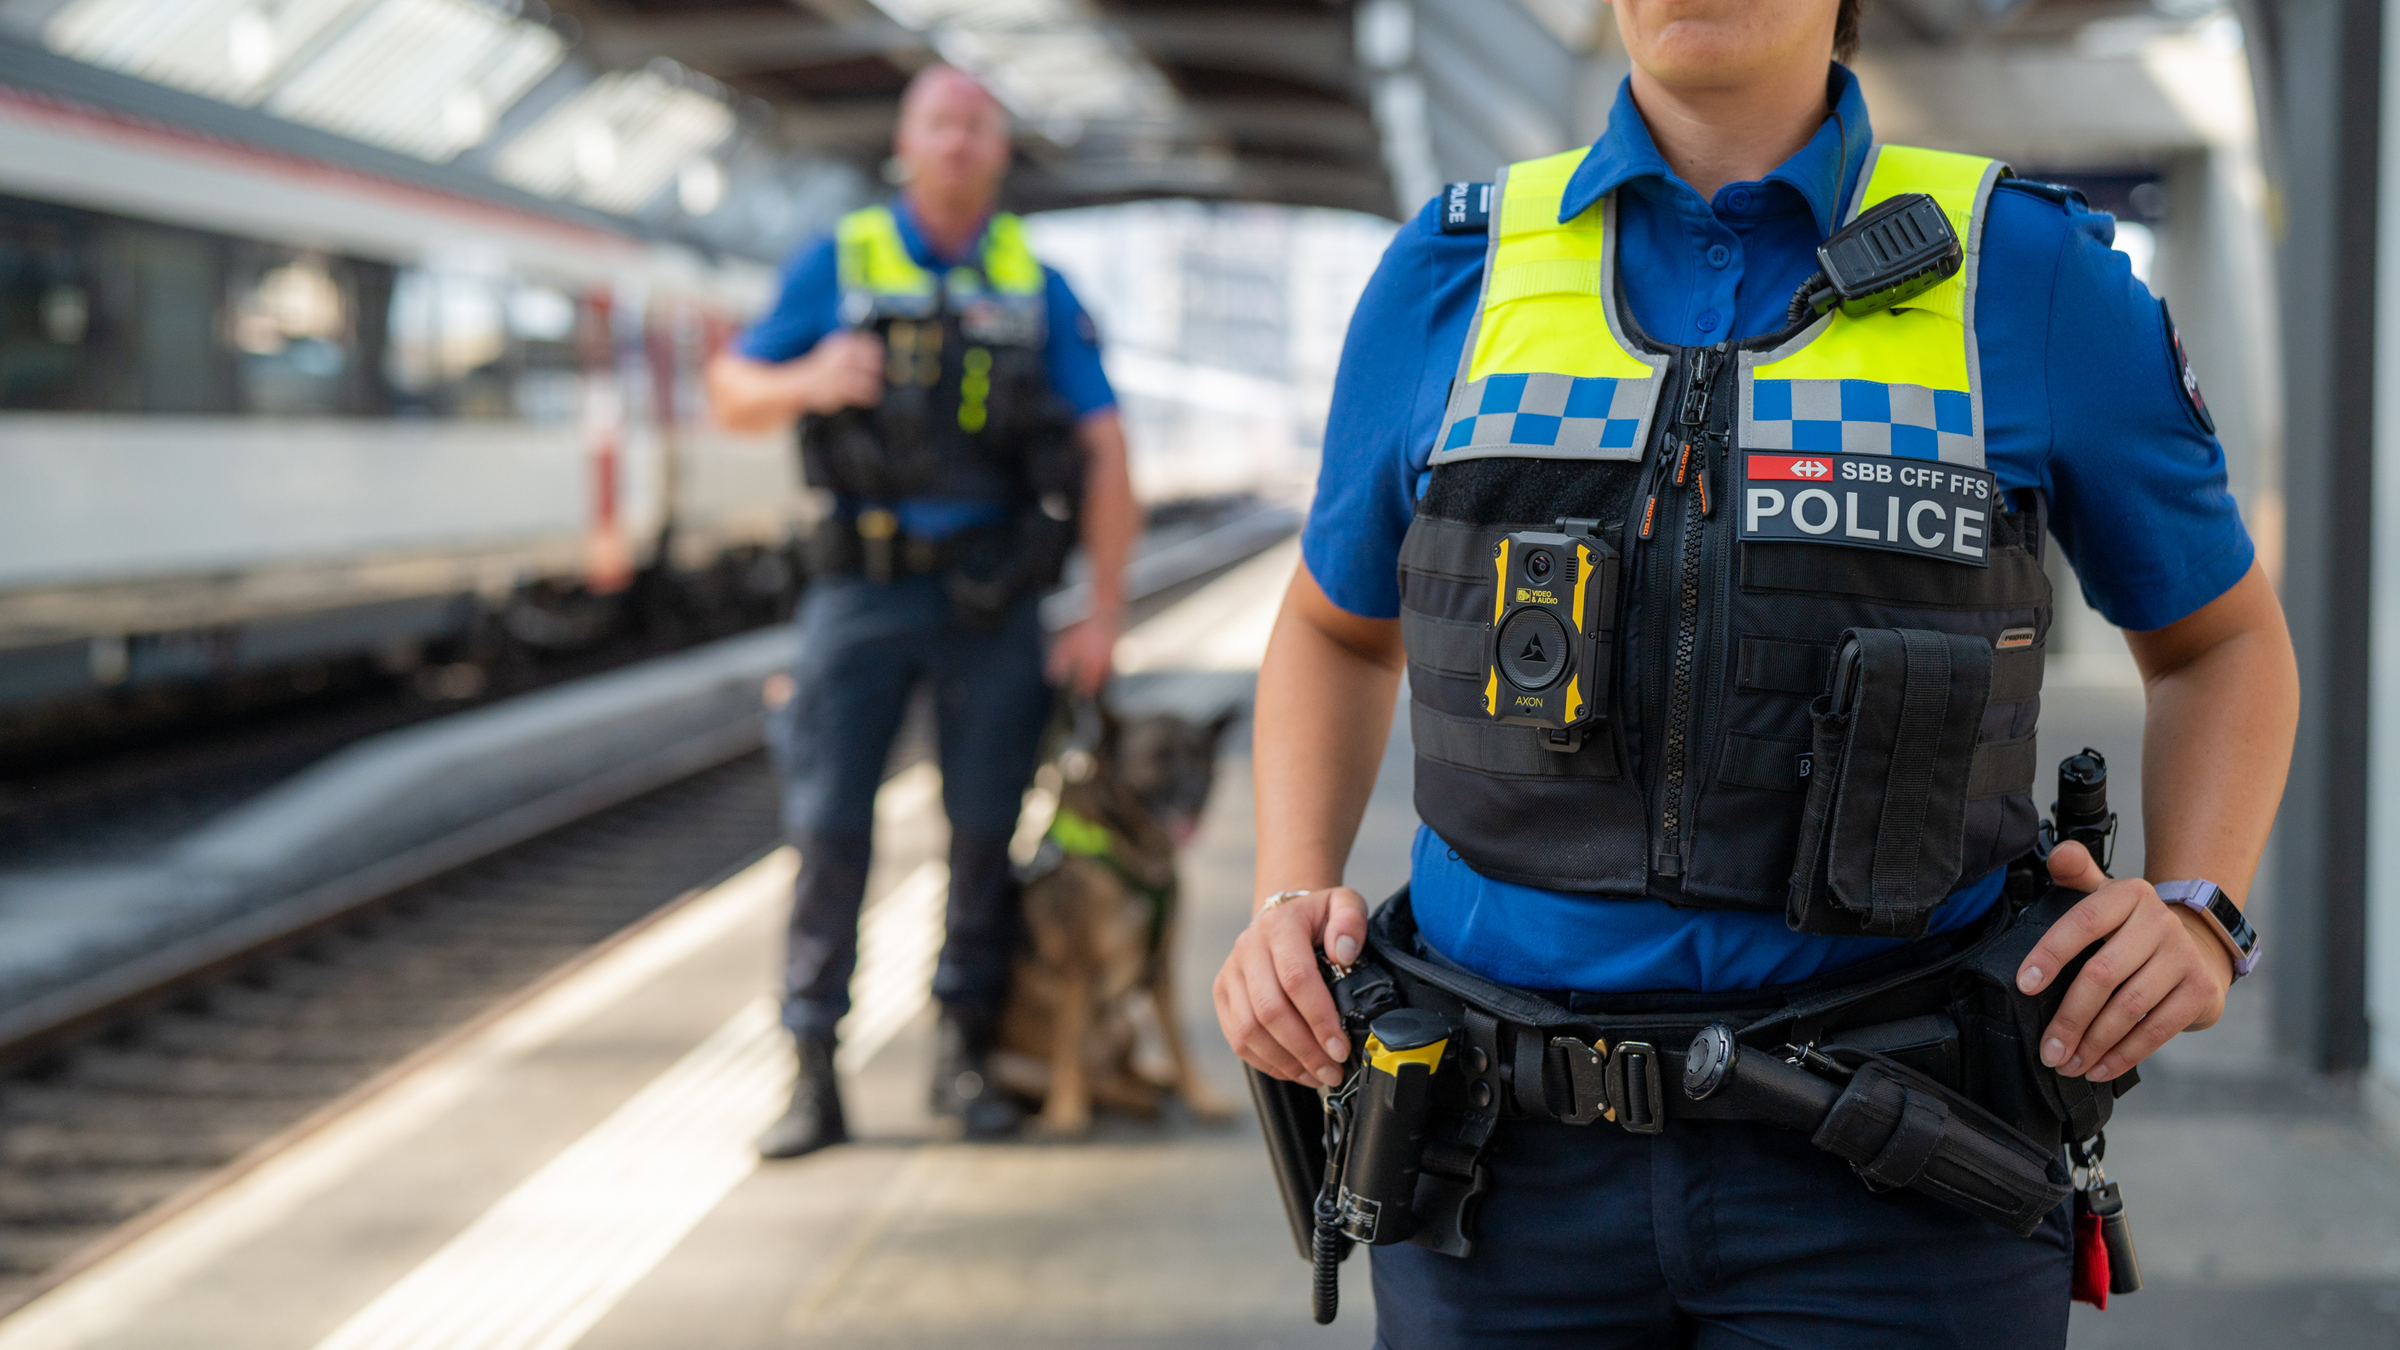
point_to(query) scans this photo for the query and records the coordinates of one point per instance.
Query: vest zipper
(1688, 458)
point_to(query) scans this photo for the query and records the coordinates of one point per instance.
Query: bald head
(952, 141)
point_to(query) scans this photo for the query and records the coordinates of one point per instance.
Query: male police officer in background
(949, 519)
(1662, 864)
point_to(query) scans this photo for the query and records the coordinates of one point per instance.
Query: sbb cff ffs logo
(1548, 646)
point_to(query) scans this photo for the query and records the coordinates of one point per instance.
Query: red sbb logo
(1790, 468)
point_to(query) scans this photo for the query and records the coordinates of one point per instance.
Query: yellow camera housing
(1548, 647)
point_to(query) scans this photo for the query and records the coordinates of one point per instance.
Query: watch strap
(2225, 919)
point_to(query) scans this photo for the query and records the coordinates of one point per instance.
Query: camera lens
(1537, 565)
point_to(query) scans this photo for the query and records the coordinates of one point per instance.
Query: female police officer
(1609, 344)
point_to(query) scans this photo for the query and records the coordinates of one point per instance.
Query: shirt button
(1738, 200)
(1719, 255)
(1708, 321)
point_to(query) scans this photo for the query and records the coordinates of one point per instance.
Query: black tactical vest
(1741, 568)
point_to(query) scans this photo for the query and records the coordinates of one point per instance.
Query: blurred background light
(700, 187)
(1052, 62)
(615, 143)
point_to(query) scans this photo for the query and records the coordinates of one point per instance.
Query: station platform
(575, 1170)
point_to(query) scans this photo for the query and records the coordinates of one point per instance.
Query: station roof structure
(739, 125)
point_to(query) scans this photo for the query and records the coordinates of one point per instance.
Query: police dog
(1100, 901)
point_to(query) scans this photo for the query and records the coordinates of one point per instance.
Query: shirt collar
(904, 212)
(1820, 171)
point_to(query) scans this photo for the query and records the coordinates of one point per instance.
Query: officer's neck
(950, 223)
(1738, 131)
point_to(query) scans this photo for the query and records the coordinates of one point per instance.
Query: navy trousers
(863, 649)
(1712, 1235)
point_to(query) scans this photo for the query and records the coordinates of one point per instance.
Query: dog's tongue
(1181, 829)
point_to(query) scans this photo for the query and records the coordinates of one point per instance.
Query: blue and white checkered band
(1547, 417)
(1861, 417)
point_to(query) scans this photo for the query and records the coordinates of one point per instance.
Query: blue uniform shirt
(2082, 401)
(808, 306)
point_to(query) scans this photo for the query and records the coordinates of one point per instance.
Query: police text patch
(1466, 208)
(1921, 507)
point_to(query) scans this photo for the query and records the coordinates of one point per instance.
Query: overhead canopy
(743, 124)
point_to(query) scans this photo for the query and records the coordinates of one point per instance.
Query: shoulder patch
(2187, 382)
(1467, 208)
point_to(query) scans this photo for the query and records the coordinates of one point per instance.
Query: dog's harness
(1075, 835)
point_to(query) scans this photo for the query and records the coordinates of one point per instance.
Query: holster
(1898, 1129)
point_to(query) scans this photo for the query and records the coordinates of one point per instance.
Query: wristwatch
(2225, 919)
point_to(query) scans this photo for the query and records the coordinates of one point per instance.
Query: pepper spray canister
(1387, 1141)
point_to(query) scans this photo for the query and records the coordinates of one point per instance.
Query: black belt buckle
(1635, 1099)
(876, 530)
(1587, 1079)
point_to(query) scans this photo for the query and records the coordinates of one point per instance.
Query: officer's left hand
(2157, 973)
(1083, 656)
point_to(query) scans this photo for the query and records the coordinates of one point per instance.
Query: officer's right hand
(1272, 1001)
(843, 371)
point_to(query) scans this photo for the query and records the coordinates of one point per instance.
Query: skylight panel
(425, 77)
(226, 49)
(1053, 63)
(617, 142)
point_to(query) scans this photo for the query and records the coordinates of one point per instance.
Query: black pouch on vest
(1882, 832)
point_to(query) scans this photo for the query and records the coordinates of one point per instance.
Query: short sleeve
(1388, 396)
(2137, 483)
(808, 305)
(1073, 353)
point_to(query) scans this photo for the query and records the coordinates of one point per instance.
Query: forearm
(1111, 516)
(1324, 711)
(754, 396)
(2216, 745)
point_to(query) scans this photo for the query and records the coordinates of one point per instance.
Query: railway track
(122, 1108)
(100, 1139)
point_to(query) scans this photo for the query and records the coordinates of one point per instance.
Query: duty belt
(873, 543)
(1529, 1056)
(1913, 1067)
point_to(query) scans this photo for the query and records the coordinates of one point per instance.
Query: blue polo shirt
(2083, 400)
(808, 306)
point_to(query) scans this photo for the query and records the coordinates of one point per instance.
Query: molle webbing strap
(1454, 549)
(1795, 666)
(2014, 580)
(1767, 762)
(1485, 746)
(2017, 673)
(1443, 646)
(1784, 665)
(2002, 768)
